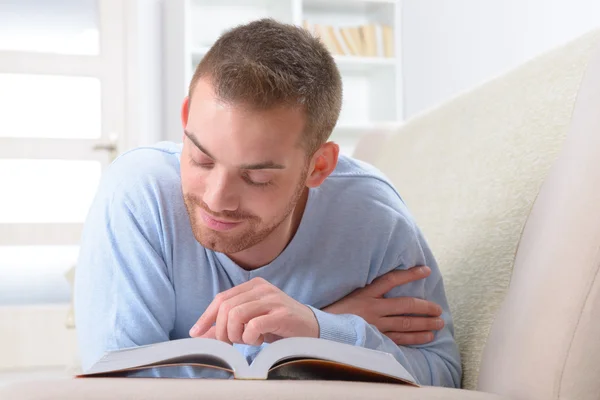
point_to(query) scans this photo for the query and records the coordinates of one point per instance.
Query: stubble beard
(254, 231)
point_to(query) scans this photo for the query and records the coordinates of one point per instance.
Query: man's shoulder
(143, 170)
(362, 191)
(358, 182)
(359, 176)
(360, 209)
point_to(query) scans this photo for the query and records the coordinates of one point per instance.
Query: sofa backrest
(470, 171)
(545, 341)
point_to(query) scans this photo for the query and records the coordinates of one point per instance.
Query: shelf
(372, 85)
(310, 3)
(347, 5)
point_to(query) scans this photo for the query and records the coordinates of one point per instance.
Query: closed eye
(203, 165)
(252, 182)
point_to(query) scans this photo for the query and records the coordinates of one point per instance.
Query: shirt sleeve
(436, 363)
(123, 294)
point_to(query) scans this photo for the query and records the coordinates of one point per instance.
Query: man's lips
(218, 224)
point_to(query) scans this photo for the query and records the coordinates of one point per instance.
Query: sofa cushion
(207, 389)
(470, 171)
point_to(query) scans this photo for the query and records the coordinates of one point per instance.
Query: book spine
(348, 40)
(368, 33)
(336, 41)
(369, 40)
(339, 41)
(356, 33)
(388, 41)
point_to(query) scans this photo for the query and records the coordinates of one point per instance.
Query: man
(255, 229)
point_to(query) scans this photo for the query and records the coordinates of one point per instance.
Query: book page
(327, 350)
(310, 369)
(193, 351)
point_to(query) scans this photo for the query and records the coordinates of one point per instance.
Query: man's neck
(273, 245)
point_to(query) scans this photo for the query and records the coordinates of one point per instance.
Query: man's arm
(123, 295)
(436, 363)
(257, 311)
(405, 320)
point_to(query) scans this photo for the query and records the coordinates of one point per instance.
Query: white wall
(450, 46)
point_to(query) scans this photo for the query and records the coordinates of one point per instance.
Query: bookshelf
(372, 79)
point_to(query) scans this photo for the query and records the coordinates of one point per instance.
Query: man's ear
(322, 164)
(185, 112)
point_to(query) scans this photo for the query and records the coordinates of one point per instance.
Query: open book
(292, 358)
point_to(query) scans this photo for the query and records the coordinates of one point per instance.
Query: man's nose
(220, 192)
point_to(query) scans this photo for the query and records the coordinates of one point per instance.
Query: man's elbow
(446, 370)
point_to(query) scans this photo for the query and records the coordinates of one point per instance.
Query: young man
(254, 229)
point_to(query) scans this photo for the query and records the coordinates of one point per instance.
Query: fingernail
(439, 323)
(194, 331)
(423, 270)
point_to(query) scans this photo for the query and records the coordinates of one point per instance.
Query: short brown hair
(265, 64)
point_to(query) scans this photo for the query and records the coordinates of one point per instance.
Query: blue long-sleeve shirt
(143, 278)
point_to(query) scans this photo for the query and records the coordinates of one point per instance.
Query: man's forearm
(436, 364)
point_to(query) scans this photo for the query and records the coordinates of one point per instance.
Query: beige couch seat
(505, 183)
(183, 389)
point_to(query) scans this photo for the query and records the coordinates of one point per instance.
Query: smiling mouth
(218, 224)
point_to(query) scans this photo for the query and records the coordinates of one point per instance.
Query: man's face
(242, 171)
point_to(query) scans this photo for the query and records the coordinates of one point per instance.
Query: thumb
(395, 278)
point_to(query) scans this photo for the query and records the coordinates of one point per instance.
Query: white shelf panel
(363, 63)
(357, 129)
(348, 6)
(345, 3)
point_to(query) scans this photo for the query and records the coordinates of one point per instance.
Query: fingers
(392, 279)
(209, 317)
(257, 327)
(226, 310)
(411, 338)
(408, 306)
(210, 334)
(409, 324)
(242, 316)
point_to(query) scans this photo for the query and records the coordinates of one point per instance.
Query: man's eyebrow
(198, 145)
(261, 165)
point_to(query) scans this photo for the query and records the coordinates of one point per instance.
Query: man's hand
(393, 316)
(255, 312)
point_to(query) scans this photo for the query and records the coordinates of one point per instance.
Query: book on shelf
(388, 41)
(291, 358)
(350, 41)
(368, 40)
(369, 36)
(356, 34)
(328, 36)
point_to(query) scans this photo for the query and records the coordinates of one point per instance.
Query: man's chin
(219, 241)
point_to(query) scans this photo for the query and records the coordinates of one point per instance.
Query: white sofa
(505, 182)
